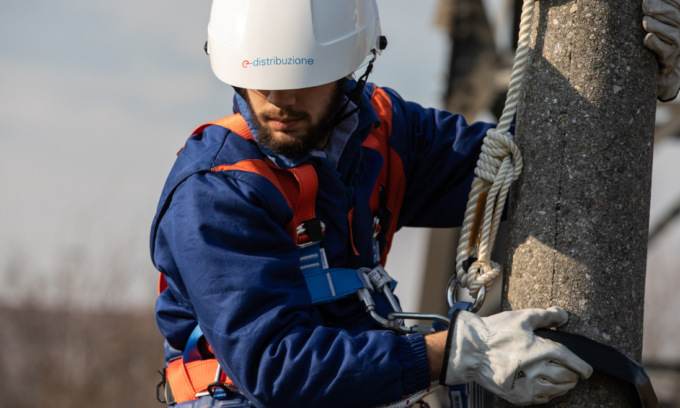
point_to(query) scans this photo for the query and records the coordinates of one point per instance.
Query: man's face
(293, 122)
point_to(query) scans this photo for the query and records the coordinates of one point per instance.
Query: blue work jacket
(231, 268)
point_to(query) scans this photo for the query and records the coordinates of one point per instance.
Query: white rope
(499, 164)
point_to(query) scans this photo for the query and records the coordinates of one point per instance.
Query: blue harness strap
(328, 284)
(191, 350)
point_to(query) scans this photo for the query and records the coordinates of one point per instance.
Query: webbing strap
(235, 123)
(608, 360)
(308, 184)
(282, 181)
(260, 167)
(328, 284)
(191, 374)
(191, 350)
(187, 380)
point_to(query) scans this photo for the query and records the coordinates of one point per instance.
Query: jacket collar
(356, 126)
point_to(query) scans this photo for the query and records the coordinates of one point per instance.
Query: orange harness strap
(236, 123)
(188, 380)
(299, 186)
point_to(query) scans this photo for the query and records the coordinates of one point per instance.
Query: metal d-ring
(451, 295)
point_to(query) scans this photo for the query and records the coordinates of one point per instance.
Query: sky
(96, 98)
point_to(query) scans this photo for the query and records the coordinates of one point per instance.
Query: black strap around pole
(609, 361)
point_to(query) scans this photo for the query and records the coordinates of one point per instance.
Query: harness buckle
(379, 278)
(160, 388)
(310, 231)
(221, 391)
(164, 393)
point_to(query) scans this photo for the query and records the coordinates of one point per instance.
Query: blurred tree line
(66, 358)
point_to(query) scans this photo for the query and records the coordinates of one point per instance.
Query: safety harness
(197, 373)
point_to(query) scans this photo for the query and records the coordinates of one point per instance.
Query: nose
(281, 98)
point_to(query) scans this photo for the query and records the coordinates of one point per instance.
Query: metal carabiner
(422, 329)
(365, 297)
(453, 288)
(379, 280)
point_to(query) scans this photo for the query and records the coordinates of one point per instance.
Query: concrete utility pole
(579, 213)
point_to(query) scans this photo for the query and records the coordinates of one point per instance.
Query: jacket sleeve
(439, 151)
(226, 256)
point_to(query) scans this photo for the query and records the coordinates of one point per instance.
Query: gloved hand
(662, 22)
(502, 354)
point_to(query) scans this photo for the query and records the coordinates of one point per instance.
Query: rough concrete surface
(579, 214)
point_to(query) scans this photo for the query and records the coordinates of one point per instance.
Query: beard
(297, 146)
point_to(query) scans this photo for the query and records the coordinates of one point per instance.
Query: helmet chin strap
(354, 95)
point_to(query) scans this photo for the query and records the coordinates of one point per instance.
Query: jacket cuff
(447, 349)
(413, 356)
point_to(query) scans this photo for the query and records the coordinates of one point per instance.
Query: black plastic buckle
(222, 391)
(313, 229)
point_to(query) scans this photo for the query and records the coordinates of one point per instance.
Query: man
(274, 221)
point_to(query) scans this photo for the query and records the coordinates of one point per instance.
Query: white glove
(662, 22)
(502, 354)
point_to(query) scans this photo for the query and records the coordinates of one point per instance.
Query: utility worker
(273, 219)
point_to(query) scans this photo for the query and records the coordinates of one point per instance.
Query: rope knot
(500, 163)
(497, 147)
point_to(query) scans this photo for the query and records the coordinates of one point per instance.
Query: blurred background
(95, 100)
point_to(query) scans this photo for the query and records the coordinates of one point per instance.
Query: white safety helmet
(290, 44)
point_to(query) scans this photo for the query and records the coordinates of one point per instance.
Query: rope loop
(500, 164)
